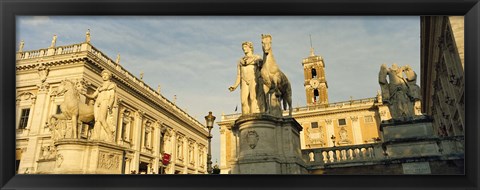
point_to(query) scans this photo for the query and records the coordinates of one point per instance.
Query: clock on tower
(315, 82)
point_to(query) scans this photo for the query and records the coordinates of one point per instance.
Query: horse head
(266, 43)
(65, 86)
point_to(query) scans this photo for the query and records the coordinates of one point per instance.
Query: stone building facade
(442, 71)
(351, 123)
(148, 127)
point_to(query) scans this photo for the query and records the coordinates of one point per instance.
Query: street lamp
(333, 139)
(209, 119)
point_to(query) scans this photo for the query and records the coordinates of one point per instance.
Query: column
(329, 131)
(38, 110)
(137, 134)
(120, 126)
(223, 147)
(356, 130)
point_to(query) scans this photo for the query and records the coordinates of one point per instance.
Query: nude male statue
(248, 74)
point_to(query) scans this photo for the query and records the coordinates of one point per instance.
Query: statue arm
(237, 81)
(382, 75)
(91, 96)
(259, 61)
(112, 98)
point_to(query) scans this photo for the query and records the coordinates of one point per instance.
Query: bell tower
(316, 87)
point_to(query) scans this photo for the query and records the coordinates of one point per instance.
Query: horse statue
(399, 92)
(72, 108)
(275, 83)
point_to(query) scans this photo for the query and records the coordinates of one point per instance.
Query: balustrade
(342, 154)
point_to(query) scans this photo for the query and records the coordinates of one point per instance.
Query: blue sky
(195, 57)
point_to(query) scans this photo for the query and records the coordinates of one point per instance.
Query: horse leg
(75, 126)
(266, 90)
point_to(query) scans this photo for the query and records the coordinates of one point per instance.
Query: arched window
(314, 73)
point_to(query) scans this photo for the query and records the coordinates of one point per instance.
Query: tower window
(314, 125)
(342, 122)
(314, 73)
(315, 95)
(24, 118)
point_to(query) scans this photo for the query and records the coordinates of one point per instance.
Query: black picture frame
(9, 9)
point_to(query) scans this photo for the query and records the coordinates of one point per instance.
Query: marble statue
(118, 59)
(54, 41)
(248, 75)
(399, 92)
(20, 47)
(104, 101)
(72, 108)
(274, 81)
(87, 36)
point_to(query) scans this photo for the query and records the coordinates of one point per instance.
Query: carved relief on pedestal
(59, 160)
(252, 138)
(47, 153)
(108, 160)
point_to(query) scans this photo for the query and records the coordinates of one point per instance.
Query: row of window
(341, 122)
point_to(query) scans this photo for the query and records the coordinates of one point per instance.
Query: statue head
(247, 45)
(394, 66)
(106, 75)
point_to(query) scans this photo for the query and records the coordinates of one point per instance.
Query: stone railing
(343, 154)
(448, 148)
(59, 50)
(101, 57)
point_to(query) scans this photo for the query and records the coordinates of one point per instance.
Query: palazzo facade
(155, 136)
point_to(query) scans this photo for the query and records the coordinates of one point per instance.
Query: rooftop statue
(87, 36)
(400, 91)
(54, 41)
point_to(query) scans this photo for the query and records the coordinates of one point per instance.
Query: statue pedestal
(412, 138)
(268, 145)
(79, 156)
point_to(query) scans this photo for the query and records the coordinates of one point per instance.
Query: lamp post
(333, 139)
(209, 119)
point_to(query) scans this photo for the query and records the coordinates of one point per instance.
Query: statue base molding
(80, 156)
(408, 138)
(267, 145)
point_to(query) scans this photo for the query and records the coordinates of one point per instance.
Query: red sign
(165, 159)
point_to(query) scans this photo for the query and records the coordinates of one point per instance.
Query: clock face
(314, 83)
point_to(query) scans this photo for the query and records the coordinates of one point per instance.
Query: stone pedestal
(79, 156)
(412, 138)
(268, 145)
